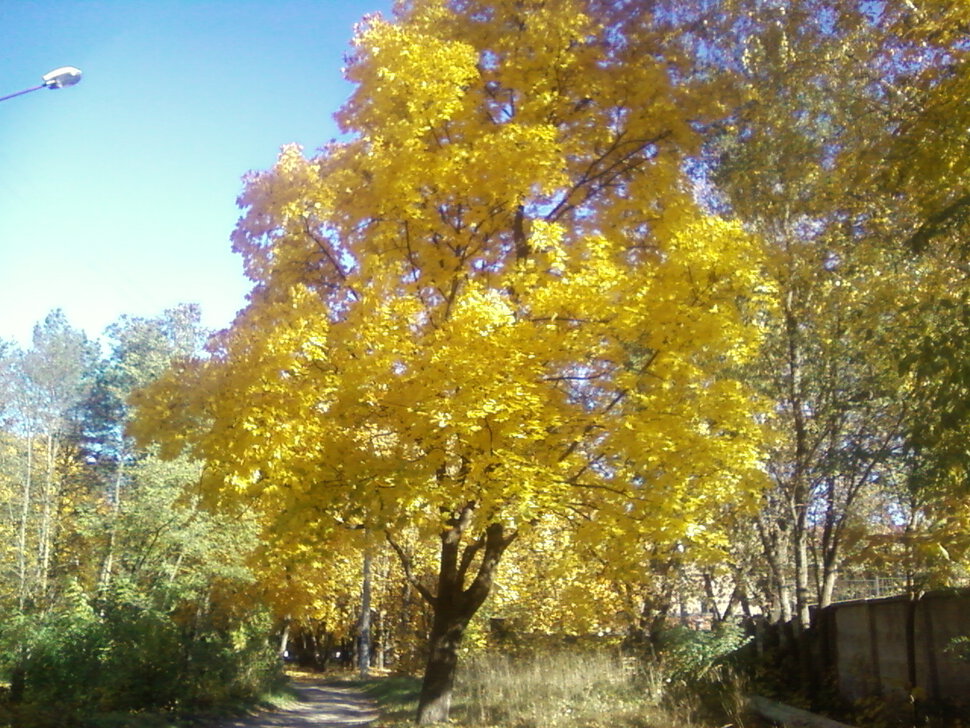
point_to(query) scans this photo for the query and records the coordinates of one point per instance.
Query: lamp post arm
(21, 93)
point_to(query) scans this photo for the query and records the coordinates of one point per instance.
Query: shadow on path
(318, 705)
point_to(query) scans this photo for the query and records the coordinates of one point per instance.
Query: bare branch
(409, 572)
(328, 254)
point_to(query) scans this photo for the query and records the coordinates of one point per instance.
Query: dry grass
(552, 690)
(555, 690)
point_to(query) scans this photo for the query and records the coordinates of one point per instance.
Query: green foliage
(136, 599)
(122, 654)
(65, 647)
(692, 674)
(689, 655)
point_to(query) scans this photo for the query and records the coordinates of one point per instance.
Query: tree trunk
(799, 490)
(830, 575)
(774, 541)
(454, 604)
(380, 642)
(24, 517)
(434, 704)
(285, 638)
(107, 566)
(716, 615)
(47, 522)
(363, 634)
(799, 487)
(802, 592)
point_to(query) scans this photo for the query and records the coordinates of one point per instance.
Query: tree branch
(937, 224)
(496, 541)
(467, 557)
(606, 175)
(328, 254)
(409, 572)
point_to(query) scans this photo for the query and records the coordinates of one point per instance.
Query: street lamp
(58, 78)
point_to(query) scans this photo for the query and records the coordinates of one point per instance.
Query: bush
(123, 655)
(689, 655)
(694, 672)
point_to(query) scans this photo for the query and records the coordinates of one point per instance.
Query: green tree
(120, 592)
(788, 162)
(46, 384)
(141, 350)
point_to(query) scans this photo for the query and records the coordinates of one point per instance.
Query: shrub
(689, 654)
(123, 654)
(694, 674)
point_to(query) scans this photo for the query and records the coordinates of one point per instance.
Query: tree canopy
(496, 299)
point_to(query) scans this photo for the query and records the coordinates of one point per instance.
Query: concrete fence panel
(896, 647)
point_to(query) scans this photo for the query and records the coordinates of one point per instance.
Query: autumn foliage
(496, 300)
(597, 309)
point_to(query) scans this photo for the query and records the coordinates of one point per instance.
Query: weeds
(563, 689)
(556, 689)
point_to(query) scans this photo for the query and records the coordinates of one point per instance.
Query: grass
(556, 690)
(553, 690)
(397, 698)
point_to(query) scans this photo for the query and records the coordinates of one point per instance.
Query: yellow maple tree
(496, 299)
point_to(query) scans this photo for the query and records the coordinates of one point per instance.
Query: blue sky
(117, 196)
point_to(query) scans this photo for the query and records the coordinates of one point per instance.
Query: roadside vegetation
(689, 684)
(121, 662)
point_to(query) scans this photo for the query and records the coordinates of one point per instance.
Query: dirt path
(320, 704)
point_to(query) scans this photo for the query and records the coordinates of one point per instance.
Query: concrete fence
(895, 648)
